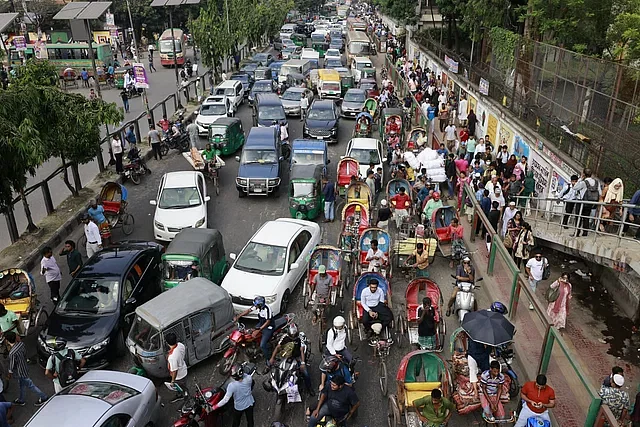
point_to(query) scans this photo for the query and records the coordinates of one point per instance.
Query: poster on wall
(492, 127)
(558, 182)
(472, 104)
(541, 173)
(506, 136)
(453, 65)
(521, 147)
(484, 87)
(481, 115)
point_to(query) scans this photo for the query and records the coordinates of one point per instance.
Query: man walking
(329, 191)
(152, 67)
(535, 270)
(92, 233)
(74, 259)
(192, 130)
(588, 190)
(125, 100)
(54, 369)
(177, 365)
(85, 77)
(154, 142)
(51, 272)
(304, 105)
(18, 368)
(568, 194)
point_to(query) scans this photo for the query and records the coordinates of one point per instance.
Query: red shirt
(544, 395)
(464, 135)
(401, 201)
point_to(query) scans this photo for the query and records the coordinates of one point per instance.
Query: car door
(292, 258)
(119, 420)
(202, 187)
(239, 95)
(302, 241)
(141, 284)
(202, 324)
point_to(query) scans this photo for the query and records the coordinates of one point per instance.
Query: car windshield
(367, 85)
(218, 130)
(303, 189)
(291, 95)
(321, 114)
(165, 46)
(90, 295)
(262, 259)
(176, 270)
(259, 156)
(333, 63)
(213, 110)
(266, 112)
(145, 336)
(221, 91)
(179, 198)
(362, 65)
(333, 53)
(262, 87)
(308, 158)
(261, 74)
(365, 156)
(110, 393)
(259, 57)
(331, 86)
(354, 97)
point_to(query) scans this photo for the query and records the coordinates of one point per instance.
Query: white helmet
(338, 322)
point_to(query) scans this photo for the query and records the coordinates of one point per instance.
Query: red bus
(165, 45)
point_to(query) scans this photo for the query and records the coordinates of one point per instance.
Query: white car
(333, 54)
(271, 264)
(367, 151)
(181, 203)
(211, 110)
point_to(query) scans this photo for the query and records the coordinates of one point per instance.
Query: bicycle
(381, 349)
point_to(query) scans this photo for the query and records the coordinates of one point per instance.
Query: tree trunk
(433, 18)
(485, 48)
(65, 178)
(456, 39)
(31, 227)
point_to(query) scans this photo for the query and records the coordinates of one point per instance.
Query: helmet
(329, 364)
(56, 344)
(237, 372)
(292, 330)
(338, 322)
(259, 302)
(331, 423)
(499, 307)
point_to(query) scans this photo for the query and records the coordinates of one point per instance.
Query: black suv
(96, 309)
(322, 121)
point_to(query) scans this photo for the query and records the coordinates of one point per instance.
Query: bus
(356, 24)
(358, 44)
(66, 55)
(166, 47)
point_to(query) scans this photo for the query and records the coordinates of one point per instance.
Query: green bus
(67, 55)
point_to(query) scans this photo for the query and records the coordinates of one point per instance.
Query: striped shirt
(18, 361)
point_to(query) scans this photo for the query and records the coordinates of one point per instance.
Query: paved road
(238, 219)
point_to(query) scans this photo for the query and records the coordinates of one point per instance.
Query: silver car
(291, 100)
(101, 399)
(353, 102)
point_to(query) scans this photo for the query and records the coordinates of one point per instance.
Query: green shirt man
(53, 365)
(8, 320)
(209, 153)
(434, 410)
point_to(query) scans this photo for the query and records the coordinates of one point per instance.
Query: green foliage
(403, 11)
(38, 72)
(210, 34)
(503, 46)
(306, 6)
(624, 33)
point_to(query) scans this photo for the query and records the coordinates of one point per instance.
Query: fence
(140, 123)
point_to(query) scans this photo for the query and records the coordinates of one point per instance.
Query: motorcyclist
(337, 340)
(265, 317)
(129, 82)
(332, 366)
(134, 156)
(464, 273)
(293, 345)
(337, 401)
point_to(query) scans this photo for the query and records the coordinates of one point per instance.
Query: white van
(357, 64)
(287, 30)
(310, 54)
(300, 66)
(233, 90)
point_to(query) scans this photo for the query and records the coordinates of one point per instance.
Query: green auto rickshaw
(119, 75)
(226, 135)
(368, 73)
(299, 39)
(320, 47)
(194, 252)
(346, 79)
(306, 200)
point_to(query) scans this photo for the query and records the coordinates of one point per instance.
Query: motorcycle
(132, 91)
(242, 338)
(465, 298)
(505, 354)
(197, 411)
(179, 142)
(136, 167)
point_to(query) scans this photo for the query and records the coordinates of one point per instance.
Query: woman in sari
(520, 169)
(513, 229)
(522, 244)
(613, 196)
(510, 166)
(558, 310)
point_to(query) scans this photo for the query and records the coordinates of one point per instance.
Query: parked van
(260, 168)
(329, 84)
(268, 108)
(233, 90)
(300, 66)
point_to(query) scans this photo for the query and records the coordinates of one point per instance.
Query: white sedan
(367, 151)
(271, 264)
(181, 203)
(333, 54)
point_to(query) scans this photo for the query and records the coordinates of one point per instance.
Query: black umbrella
(488, 327)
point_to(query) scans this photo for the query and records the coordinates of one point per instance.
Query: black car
(322, 121)
(96, 310)
(246, 79)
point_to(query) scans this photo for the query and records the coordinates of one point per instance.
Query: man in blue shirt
(130, 136)
(634, 213)
(329, 191)
(485, 204)
(431, 111)
(85, 77)
(5, 413)
(240, 390)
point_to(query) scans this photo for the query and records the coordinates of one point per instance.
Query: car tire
(121, 347)
(284, 303)
(241, 194)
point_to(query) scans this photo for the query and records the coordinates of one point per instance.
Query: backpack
(592, 194)
(67, 368)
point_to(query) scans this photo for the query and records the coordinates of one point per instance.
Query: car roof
(216, 99)
(180, 179)
(229, 83)
(239, 74)
(296, 89)
(226, 121)
(262, 81)
(276, 232)
(322, 104)
(135, 382)
(261, 137)
(268, 98)
(364, 143)
(113, 261)
(356, 89)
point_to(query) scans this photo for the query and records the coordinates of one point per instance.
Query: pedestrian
(177, 366)
(51, 272)
(371, 182)
(633, 216)
(535, 270)
(6, 410)
(92, 233)
(152, 67)
(616, 398)
(485, 204)
(125, 99)
(634, 417)
(615, 370)
(472, 121)
(92, 95)
(84, 74)
(4, 78)
(443, 118)
(116, 148)
(508, 213)
(588, 190)
(558, 309)
(57, 368)
(450, 137)
(130, 136)
(8, 320)
(523, 243)
(18, 368)
(154, 142)
(384, 214)
(192, 130)
(96, 212)
(537, 399)
(304, 105)
(240, 390)
(74, 258)
(151, 48)
(450, 172)
(329, 192)
(529, 185)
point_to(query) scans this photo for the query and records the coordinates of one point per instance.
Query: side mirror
(130, 301)
(237, 158)
(232, 256)
(152, 202)
(294, 266)
(207, 198)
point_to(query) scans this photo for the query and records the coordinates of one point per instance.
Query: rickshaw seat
(415, 391)
(444, 235)
(332, 273)
(111, 207)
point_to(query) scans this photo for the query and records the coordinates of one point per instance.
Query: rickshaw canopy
(442, 216)
(195, 242)
(364, 114)
(413, 363)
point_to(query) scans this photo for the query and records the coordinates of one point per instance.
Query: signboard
(521, 147)
(505, 136)
(113, 32)
(20, 43)
(140, 75)
(40, 49)
(484, 87)
(453, 65)
(110, 21)
(541, 173)
(492, 128)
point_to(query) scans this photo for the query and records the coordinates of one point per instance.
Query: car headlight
(159, 225)
(275, 181)
(200, 223)
(311, 205)
(294, 204)
(271, 299)
(334, 131)
(306, 128)
(241, 181)
(97, 347)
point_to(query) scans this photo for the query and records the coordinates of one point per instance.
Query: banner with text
(140, 75)
(484, 87)
(453, 65)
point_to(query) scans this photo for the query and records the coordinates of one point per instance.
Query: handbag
(508, 241)
(552, 294)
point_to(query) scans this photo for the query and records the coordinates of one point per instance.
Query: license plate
(322, 137)
(257, 190)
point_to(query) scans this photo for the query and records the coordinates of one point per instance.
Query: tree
(211, 35)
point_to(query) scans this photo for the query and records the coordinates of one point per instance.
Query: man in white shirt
(496, 196)
(337, 340)
(450, 137)
(481, 148)
(535, 269)
(177, 365)
(492, 184)
(375, 256)
(91, 231)
(374, 308)
(51, 272)
(385, 83)
(568, 194)
(462, 111)
(304, 105)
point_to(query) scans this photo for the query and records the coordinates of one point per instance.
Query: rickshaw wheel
(394, 412)
(305, 294)
(41, 320)
(382, 374)
(442, 332)
(127, 223)
(401, 331)
(351, 328)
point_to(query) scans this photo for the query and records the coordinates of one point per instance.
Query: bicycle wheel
(382, 376)
(41, 321)
(320, 331)
(127, 223)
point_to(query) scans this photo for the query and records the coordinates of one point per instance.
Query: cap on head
(436, 195)
(322, 269)
(512, 203)
(466, 259)
(383, 202)
(618, 380)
